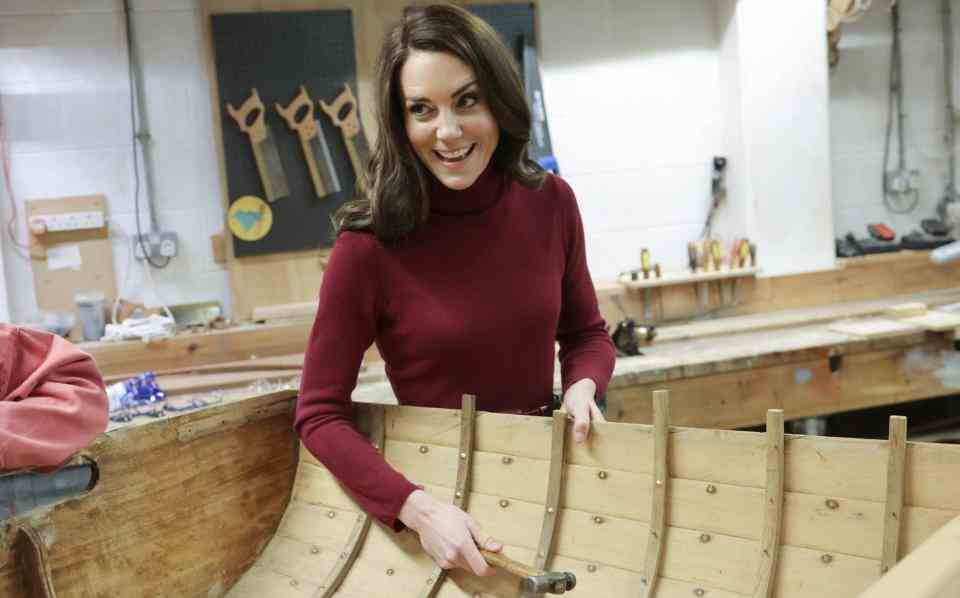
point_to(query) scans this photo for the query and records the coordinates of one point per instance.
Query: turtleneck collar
(478, 197)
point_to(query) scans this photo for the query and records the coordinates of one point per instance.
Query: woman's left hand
(581, 405)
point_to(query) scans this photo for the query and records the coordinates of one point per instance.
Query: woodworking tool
(323, 173)
(881, 232)
(645, 262)
(715, 253)
(533, 582)
(692, 256)
(540, 148)
(343, 113)
(629, 335)
(744, 254)
(647, 291)
(718, 193)
(250, 119)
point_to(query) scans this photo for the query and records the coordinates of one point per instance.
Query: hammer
(533, 582)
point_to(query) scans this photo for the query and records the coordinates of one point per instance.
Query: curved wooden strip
(773, 506)
(360, 529)
(551, 507)
(468, 416)
(658, 502)
(32, 562)
(893, 509)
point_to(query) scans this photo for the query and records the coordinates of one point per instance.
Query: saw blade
(275, 180)
(324, 161)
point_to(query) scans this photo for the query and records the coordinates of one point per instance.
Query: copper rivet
(459, 494)
(477, 595)
(602, 475)
(504, 503)
(659, 482)
(293, 582)
(314, 550)
(711, 489)
(592, 568)
(424, 448)
(704, 538)
(597, 519)
(698, 592)
(376, 446)
(389, 571)
(549, 509)
(343, 555)
(827, 559)
(463, 455)
(331, 514)
(643, 580)
(832, 504)
(507, 460)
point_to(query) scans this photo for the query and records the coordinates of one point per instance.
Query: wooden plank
(873, 327)
(362, 526)
(32, 560)
(893, 508)
(551, 506)
(773, 506)
(468, 414)
(658, 502)
(930, 571)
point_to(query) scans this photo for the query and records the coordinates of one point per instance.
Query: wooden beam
(468, 417)
(658, 501)
(773, 506)
(893, 507)
(551, 507)
(360, 529)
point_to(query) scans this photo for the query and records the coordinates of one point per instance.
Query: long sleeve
(586, 350)
(52, 399)
(344, 328)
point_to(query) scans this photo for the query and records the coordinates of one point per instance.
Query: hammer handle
(509, 565)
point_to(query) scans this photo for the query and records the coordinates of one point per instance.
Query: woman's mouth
(452, 157)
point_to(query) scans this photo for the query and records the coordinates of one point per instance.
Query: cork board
(67, 263)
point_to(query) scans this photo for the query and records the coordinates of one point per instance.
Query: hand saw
(264, 148)
(314, 145)
(349, 125)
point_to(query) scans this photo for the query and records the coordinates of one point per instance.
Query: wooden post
(468, 416)
(893, 508)
(773, 506)
(658, 502)
(551, 507)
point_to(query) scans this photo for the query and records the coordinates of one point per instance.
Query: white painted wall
(640, 96)
(64, 88)
(858, 109)
(4, 300)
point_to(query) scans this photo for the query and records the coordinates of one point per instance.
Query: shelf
(675, 278)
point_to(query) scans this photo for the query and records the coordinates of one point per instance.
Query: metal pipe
(949, 136)
(142, 135)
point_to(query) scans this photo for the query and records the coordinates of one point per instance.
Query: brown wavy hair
(393, 199)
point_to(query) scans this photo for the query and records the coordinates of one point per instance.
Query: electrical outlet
(156, 245)
(55, 223)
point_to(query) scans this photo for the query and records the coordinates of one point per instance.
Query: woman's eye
(418, 109)
(468, 100)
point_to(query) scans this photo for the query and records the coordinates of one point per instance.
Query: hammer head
(548, 583)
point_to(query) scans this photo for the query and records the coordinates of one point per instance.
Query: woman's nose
(448, 126)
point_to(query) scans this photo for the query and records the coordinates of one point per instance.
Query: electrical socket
(157, 245)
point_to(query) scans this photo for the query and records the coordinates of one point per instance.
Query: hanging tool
(533, 582)
(900, 193)
(343, 113)
(647, 291)
(323, 173)
(540, 148)
(718, 193)
(250, 119)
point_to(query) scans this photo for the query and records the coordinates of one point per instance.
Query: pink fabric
(52, 399)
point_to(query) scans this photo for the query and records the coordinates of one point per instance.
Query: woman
(462, 260)
(52, 399)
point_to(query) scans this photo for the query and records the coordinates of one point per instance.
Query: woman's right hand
(450, 536)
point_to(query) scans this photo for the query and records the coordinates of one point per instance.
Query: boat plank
(658, 495)
(554, 490)
(773, 507)
(893, 508)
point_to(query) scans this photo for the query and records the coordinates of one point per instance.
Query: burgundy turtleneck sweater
(470, 303)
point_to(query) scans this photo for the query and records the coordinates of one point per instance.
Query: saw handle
(257, 130)
(306, 127)
(349, 124)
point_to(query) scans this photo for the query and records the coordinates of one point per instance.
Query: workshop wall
(858, 111)
(639, 100)
(65, 94)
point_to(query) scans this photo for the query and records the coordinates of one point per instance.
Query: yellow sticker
(250, 218)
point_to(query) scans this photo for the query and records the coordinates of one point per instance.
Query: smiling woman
(463, 261)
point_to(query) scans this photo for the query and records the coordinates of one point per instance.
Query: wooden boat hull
(191, 507)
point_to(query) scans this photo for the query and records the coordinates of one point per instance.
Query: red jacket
(52, 399)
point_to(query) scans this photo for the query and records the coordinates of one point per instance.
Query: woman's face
(448, 121)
